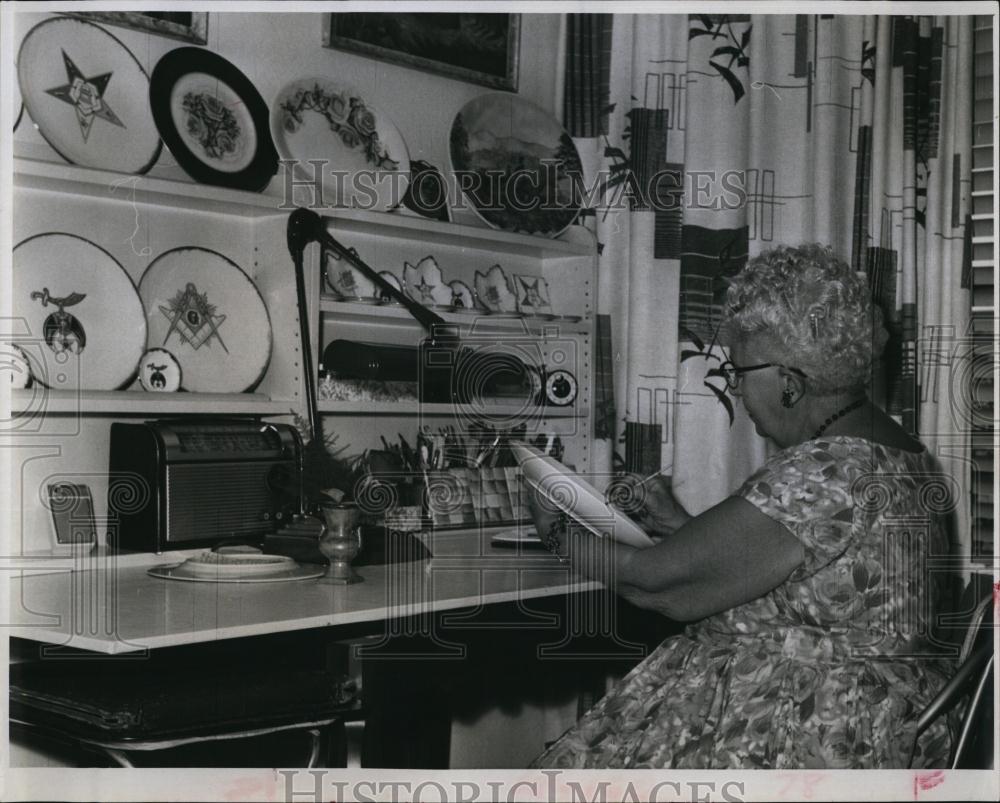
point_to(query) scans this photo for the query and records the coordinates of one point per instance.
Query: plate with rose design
(212, 119)
(330, 131)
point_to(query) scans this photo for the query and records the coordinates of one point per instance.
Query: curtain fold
(721, 136)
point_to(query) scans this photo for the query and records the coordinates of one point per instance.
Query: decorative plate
(88, 95)
(86, 325)
(208, 313)
(533, 295)
(499, 137)
(365, 161)
(462, 299)
(494, 293)
(427, 194)
(346, 281)
(390, 277)
(213, 567)
(159, 371)
(425, 285)
(576, 497)
(15, 362)
(17, 105)
(212, 119)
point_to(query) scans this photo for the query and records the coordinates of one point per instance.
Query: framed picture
(533, 296)
(188, 26)
(480, 48)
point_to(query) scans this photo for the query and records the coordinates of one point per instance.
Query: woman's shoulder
(828, 467)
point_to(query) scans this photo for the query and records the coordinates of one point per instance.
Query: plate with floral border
(212, 119)
(365, 161)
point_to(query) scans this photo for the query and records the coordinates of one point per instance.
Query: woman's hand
(544, 516)
(650, 502)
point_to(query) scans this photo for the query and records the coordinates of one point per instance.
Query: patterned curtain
(716, 137)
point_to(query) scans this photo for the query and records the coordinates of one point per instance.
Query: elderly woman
(809, 586)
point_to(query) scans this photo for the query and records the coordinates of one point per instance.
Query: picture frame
(478, 48)
(187, 26)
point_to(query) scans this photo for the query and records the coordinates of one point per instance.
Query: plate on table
(215, 567)
(86, 325)
(315, 118)
(500, 136)
(212, 119)
(88, 95)
(203, 309)
(576, 497)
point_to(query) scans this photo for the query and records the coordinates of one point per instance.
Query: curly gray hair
(815, 309)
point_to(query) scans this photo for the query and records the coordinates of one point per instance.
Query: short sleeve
(807, 491)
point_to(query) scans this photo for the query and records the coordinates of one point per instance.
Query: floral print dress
(828, 670)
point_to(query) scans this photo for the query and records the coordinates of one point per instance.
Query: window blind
(983, 280)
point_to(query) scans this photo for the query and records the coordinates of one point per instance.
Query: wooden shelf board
(353, 312)
(189, 196)
(130, 402)
(413, 408)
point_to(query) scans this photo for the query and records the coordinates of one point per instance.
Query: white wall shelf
(127, 402)
(394, 314)
(412, 408)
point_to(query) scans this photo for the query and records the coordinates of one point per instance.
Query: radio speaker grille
(217, 501)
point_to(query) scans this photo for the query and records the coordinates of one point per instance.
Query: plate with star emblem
(88, 95)
(204, 310)
(85, 326)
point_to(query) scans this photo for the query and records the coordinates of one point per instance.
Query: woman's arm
(727, 556)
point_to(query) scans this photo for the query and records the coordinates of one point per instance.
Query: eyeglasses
(733, 372)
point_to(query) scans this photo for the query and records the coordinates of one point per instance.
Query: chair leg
(316, 743)
(119, 757)
(354, 733)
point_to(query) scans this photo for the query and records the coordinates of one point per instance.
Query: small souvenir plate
(88, 95)
(533, 295)
(86, 325)
(462, 299)
(503, 138)
(159, 371)
(392, 279)
(348, 282)
(212, 119)
(425, 285)
(494, 292)
(208, 313)
(314, 118)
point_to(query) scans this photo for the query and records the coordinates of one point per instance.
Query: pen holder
(340, 542)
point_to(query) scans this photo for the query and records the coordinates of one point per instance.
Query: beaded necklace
(854, 405)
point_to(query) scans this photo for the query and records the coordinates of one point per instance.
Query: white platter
(203, 309)
(576, 497)
(362, 156)
(88, 95)
(85, 322)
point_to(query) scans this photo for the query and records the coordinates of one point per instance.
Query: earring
(787, 396)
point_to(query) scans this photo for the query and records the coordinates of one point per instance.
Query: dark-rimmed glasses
(732, 372)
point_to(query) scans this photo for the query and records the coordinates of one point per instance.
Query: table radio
(179, 484)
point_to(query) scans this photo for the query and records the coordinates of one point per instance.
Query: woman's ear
(793, 387)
